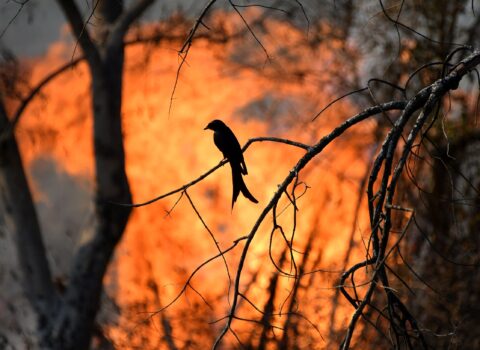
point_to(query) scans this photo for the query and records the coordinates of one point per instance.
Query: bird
(227, 143)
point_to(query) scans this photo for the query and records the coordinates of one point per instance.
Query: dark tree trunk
(449, 260)
(73, 325)
(66, 321)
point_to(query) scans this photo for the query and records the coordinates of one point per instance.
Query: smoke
(65, 210)
(164, 242)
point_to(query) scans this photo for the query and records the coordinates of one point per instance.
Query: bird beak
(205, 128)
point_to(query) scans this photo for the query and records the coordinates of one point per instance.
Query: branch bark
(311, 153)
(380, 203)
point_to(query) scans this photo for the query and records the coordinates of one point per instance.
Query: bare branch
(213, 238)
(188, 41)
(380, 213)
(198, 268)
(126, 19)
(410, 29)
(18, 113)
(250, 29)
(20, 8)
(203, 176)
(313, 151)
(75, 19)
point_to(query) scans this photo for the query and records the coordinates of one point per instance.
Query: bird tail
(239, 185)
(243, 166)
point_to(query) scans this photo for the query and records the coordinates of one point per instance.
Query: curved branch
(71, 64)
(35, 91)
(312, 152)
(198, 268)
(425, 100)
(212, 236)
(204, 175)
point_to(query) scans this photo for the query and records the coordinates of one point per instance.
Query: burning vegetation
(347, 196)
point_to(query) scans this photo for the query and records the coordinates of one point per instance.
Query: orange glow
(160, 250)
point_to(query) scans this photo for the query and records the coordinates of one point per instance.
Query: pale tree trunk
(19, 216)
(66, 320)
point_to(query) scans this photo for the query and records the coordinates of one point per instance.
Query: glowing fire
(159, 250)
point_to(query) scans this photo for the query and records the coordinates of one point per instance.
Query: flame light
(165, 241)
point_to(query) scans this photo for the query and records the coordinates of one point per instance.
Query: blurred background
(266, 68)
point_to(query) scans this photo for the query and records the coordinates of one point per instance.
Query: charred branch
(381, 202)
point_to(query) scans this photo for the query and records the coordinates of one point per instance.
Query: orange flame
(166, 241)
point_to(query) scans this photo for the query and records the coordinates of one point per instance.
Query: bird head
(215, 125)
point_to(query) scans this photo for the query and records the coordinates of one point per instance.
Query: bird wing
(228, 144)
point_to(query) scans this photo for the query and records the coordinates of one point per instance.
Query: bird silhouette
(227, 143)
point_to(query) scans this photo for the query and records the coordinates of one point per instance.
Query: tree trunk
(73, 325)
(449, 260)
(66, 321)
(19, 216)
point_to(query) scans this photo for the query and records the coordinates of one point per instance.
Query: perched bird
(227, 143)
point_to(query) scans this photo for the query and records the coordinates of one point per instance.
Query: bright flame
(160, 250)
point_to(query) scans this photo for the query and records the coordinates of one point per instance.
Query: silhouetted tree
(433, 52)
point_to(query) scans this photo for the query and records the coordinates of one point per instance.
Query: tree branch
(188, 41)
(380, 212)
(313, 151)
(204, 175)
(126, 19)
(80, 32)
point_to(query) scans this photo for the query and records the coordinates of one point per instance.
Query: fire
(166, 241)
